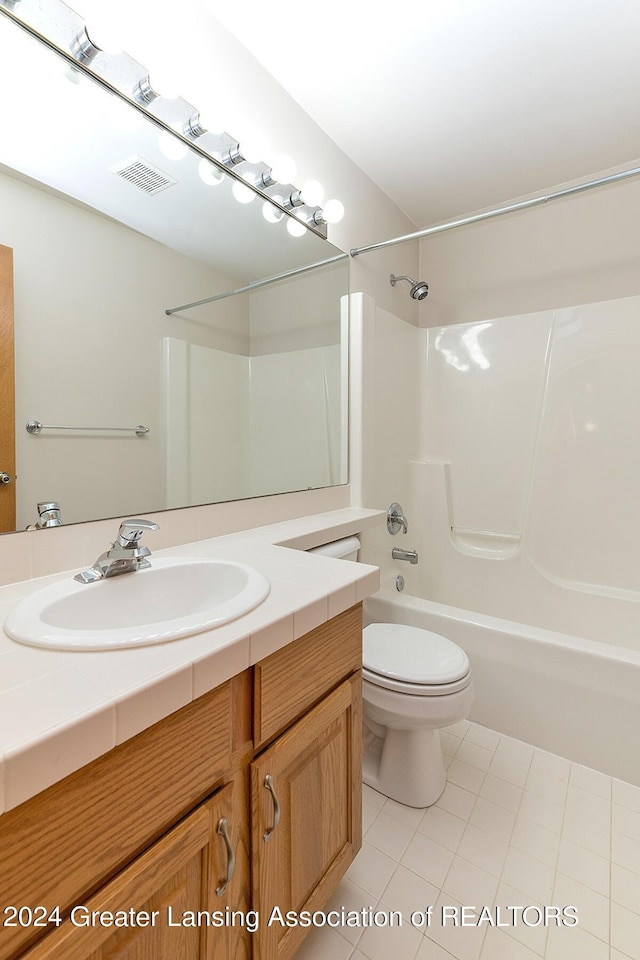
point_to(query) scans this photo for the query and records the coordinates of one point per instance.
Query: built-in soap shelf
(487, 543)
(432, 486)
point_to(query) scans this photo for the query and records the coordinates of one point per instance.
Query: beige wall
(582, 249)
(39, 553)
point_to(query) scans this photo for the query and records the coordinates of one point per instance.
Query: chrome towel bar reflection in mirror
(34, 427)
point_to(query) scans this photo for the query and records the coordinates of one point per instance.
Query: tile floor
(515, 826)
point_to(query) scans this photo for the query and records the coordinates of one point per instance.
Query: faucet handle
(131, 531)
(396, 520)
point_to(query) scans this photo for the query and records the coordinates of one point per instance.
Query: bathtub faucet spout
(399, 554)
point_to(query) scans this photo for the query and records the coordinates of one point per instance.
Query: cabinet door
(177, 877)
(306, 816)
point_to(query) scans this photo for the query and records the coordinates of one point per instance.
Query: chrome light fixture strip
(58, 27)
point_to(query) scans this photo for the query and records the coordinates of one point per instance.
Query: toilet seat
(416, 689)
(413, 661)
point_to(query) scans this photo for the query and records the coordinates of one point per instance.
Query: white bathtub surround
(572, 696)
(515, 826)
(59, 711)
(524, 478)
(513, 446)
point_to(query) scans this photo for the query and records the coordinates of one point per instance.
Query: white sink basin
(173, 598)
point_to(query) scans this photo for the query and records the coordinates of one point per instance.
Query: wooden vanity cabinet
(139, 829)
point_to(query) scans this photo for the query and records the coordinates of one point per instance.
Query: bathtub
(575, 697)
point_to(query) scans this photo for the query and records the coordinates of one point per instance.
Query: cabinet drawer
(295, 677)
(65, 842)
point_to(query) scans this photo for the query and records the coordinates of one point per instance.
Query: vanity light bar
(61, 29)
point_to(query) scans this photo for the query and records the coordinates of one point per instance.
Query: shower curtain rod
(499, 211)
(258, 283)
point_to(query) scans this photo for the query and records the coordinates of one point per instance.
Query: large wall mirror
(113, 222)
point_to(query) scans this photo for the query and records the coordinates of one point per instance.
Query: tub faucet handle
(396, 520)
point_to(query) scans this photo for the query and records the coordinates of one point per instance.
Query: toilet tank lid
(412, 654)
(338, 548)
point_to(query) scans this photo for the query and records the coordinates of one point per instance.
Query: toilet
(414, 683)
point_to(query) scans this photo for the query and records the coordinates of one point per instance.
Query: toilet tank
(345, 549)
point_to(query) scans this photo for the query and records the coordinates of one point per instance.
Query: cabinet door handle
(223, 831)
(268, 783)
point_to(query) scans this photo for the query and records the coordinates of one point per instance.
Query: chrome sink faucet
(125, 555)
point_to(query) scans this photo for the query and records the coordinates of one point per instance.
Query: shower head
(419, 289)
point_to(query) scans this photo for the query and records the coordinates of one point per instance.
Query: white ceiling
(456, 105)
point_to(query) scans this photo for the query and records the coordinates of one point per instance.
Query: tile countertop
(60, 710)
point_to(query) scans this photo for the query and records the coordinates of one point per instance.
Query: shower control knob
(5, 477)
(396, 520)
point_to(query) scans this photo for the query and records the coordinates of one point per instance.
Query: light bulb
(271, 213)
(312, 193)
(295, 228)
(283, 169)
(171, 147)
(252, 145)
(241, 193)
(333, 211)
(209, 173)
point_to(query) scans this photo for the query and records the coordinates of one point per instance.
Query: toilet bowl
(414, 682)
